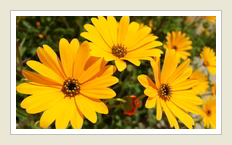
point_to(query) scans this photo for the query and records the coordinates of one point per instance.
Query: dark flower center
(206, 63)
(209, 112)
(71, 87)
(119, 51)
(165, 92)
(174, 47)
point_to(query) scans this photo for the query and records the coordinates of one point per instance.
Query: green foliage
(33, 32)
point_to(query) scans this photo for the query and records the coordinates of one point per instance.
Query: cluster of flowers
(71, 87)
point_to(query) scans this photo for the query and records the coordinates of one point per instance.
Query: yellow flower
(214, 89)
(209, 58)
(172, 90)
(180, 43)
(124, 42)
(211, 18)
(209, 112)
(202, 85)
(68, 89)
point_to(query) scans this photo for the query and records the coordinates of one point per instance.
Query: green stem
(115, 99)
(113, 106)
(142, 96)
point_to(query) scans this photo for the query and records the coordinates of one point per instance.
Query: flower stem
(116, 99)
(113, 106)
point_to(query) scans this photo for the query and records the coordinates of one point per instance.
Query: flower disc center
(209, 112)
(174, 47)
(71, 87)
(119, 51)
(165, 92)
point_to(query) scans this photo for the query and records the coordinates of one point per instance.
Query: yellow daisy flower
(214, 89)
(209, 112)
(211, 18)
(180, 43)
(172, 90)
(209, 58)
(69, 89)
(202, 85)
(118, 43)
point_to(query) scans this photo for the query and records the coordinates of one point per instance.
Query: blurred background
(34, 31)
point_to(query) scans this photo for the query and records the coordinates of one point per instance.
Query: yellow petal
(95, 51)
(31, 88)
(179, 71)
(112, 23)
(147, 40)
(121, 65)
(151, 102)
(187, 84)
(74, 46)
(98, 105)
(212, 70)
(169, 114)
(145, 53)
(159, 111)
(47, 57)
(139, 36)
(86, 108)
(184, 117)
(156, 70)
(66, 57)
(99, 93)
(187, 95)
(135, 61)
(101, 25)
(55, 59)
(50, 115)
(151, 92)
(123, 28)
(187, 106)
(101, 82)
(184, 76)
(38, 103)
(145, 81)
(81, 58)
(132, 30)
(90, 72)
(169, 65)
(63, 116)
(37, 78)
(77, 118)
(107, 70)
(45, 71)
(101, 44)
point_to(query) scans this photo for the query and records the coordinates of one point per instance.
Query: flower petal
(77, 117)
(187, 95)
(123, 28)
(85, 107)
(37, 78)
(184, 117)
(50, 115)
(38, 103)
(145, 81)
(159, 111)
(184, 76)
(101, 82)
(48, 58)
(187, 84)
(132, 30)
(74, 46)
(151, 92)
(63, 116)
(112, 23)
(66, 57)
(151, 102)
(45, 71)
(32, 88)
(99, 93)
(120, 64)
(81, 58)
(90, 72)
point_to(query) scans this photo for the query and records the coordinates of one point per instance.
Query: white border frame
(218, 15)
